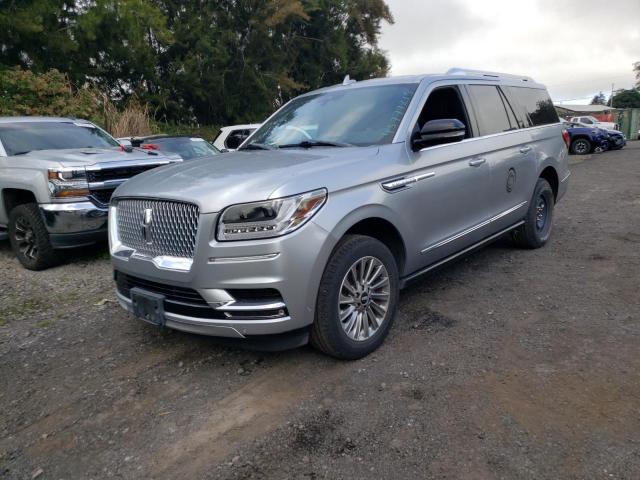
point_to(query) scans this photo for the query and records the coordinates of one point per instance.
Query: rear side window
(536, 104)
(491, 110)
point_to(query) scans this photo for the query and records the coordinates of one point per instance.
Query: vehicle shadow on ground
(89, 253)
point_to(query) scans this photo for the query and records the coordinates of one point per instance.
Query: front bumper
(74, 224)
(291, 266)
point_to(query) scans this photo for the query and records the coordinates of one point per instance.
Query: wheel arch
(12, 197)
(550, 174)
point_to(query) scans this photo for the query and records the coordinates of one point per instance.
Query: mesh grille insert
(171, 231)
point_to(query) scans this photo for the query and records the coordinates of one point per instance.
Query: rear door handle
(476, 162)
(524, 150)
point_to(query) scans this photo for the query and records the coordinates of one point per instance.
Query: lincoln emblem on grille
(146, 225)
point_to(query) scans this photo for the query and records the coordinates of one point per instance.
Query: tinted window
(443, 103)
(356, 115)
(186, 147)
(22, 137)
(490, 110)
(536, 104)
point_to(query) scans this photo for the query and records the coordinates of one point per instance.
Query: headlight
(270, 218)
(68, 182)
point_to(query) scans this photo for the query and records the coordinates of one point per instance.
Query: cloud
(575, 47)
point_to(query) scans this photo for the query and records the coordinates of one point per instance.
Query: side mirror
(438, 132)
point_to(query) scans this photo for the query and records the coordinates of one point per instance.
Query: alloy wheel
(541, 213)
(581, 147)
(25, 238)
(364, 298)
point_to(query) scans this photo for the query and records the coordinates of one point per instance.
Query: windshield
(187, 148)
(23, 137)
(359, 116)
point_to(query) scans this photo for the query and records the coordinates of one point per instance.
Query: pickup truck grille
(117, 173)
(171, 229)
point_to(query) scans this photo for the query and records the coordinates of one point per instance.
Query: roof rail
(481, 73)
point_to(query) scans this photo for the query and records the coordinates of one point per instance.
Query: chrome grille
(171, 231)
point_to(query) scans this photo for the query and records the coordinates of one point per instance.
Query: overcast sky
(576, 47)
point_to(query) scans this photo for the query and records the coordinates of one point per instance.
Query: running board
(408, 278)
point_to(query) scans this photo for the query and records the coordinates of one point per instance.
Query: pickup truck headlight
(271, 218)
(68, 182)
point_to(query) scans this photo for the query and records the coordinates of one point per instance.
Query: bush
(23, 92)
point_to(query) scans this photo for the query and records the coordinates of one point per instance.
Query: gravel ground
(509, 364)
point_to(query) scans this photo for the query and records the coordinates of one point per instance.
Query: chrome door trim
(565, 178)
(403, 182)
(473, 229)
(406, 279)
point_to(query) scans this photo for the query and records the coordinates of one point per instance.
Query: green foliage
(23, 92)
(599, 99)
(197, 61)
(627, 99)
(636, 69)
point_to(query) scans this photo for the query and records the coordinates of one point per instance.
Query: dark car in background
(189, 148)
(585, 140)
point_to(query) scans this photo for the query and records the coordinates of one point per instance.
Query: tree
(599, 99)
(627, 99)
(636, 69)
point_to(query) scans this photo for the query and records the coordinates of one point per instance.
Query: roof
(586, 108)
(451, 74)
(41, 119)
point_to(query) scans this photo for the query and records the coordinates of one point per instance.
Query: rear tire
(538, 223)
(357, 298)
(581, 146)
(29, 238)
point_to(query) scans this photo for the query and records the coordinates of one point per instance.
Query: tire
(581, 146)
(29, 238)
(538, 224)
(329, 334)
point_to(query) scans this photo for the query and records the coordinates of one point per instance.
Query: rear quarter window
(537, 105)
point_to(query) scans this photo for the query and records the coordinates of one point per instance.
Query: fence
(629, 121)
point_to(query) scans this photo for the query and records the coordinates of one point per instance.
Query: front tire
(538, 223)
(29, 238)
(357, 298)
(581, 146)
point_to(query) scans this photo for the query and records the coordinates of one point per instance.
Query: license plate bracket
(148, 306)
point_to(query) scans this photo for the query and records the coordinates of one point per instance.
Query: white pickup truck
(593, 122)
(56, 179)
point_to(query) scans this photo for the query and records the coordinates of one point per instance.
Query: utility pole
(611, 97)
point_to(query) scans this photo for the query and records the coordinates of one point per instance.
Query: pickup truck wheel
(539, 220)
(357, 298)
(581, 146)
(29, 238)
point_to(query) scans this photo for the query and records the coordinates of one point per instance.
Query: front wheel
(29, 238)
(536, 230)
(357, 298)
(581, 146)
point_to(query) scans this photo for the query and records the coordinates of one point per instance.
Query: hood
(89, 156)
(247, 176)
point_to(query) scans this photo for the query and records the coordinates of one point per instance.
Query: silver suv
(341, 197)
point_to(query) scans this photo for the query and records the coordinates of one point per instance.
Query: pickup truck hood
(90, 156)
(247, 176)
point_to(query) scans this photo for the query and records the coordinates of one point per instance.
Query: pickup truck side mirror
(438, 132)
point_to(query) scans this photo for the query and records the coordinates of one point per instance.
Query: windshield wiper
(315, 143)
(257, 146)
(21, 153)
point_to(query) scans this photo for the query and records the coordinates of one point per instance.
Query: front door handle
(525, 150)
(476, 162)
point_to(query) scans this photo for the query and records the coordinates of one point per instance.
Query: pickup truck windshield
(23, 137)
(359, 116)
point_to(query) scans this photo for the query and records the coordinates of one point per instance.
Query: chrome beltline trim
(474, 228)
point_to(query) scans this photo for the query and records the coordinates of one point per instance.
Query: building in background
(604, 113)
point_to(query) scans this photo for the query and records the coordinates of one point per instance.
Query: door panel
(451, 202)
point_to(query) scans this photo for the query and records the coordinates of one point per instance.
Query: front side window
(358, 116)
(491, 110)
(23, 137)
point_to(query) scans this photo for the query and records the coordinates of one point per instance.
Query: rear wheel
(536, 230)
(581, 146)
(357, 298)
(29, 238)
